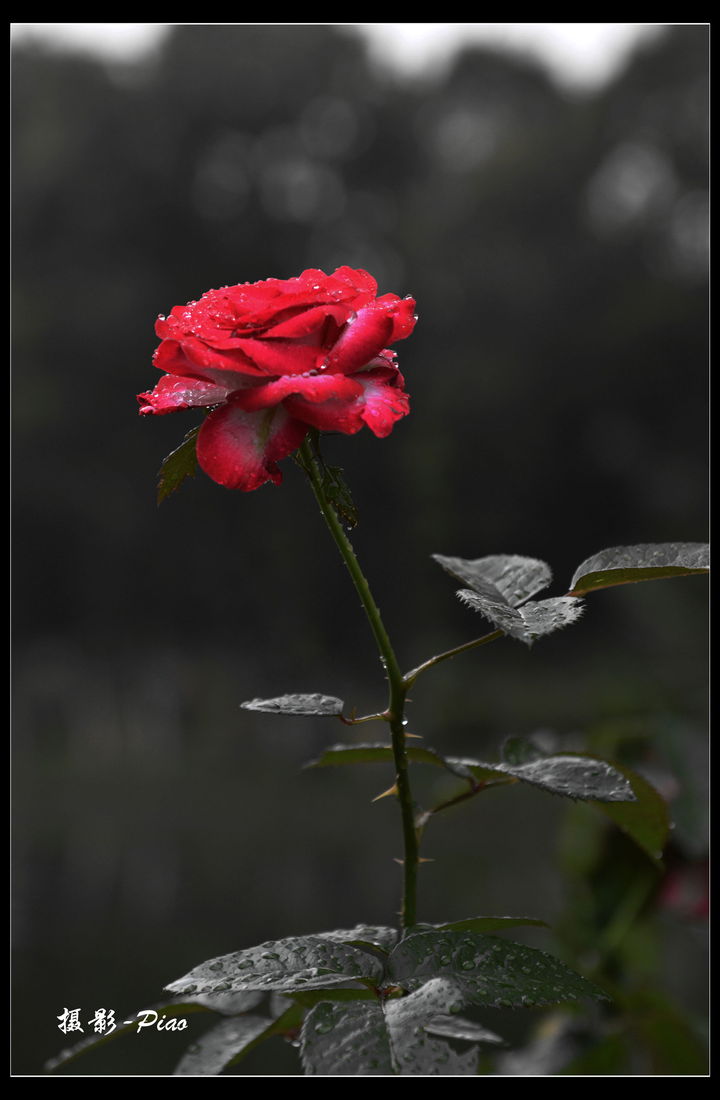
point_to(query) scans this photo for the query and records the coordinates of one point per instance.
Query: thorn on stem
(390, 790)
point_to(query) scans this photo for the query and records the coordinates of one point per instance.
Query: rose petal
(379, 406)
(383, 366)
(173, 393)
(260, 304)
(361, 284)
(383, 406)
(240, 449)
(281, 356)
(193, 357)
(315, 388)
(361, 340)
(403, 315)
(308, 321)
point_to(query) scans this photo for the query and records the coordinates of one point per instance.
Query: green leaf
(374, 1039)
(527, 623)
(644, 562)
(515, 578)
(378, 753)
(572, 775)
(218, 1047)
(340, 755)
(646, 820)
(310, 705)
(179, 465)
(289, 965)
(488, 970)
(487, 924)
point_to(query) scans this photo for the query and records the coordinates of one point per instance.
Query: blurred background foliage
(557, 248)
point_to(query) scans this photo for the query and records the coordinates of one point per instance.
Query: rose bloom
(276, 358)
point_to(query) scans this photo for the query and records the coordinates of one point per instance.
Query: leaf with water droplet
(289, 965)
(643, 562)
(514, 578)
(416, 1051)
(373, 1039)
(527, 623)
(314, 705)
(488, 970)
(572, 775)
(345, 1040)
(374, 935)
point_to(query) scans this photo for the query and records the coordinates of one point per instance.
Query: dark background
(556, 245)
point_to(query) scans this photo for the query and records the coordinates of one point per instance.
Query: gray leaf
(289, 965)
(568, 774)
(415, 1051)
(488, 970)
(312, 705)
(346, 1040)
(370, 1039)
(514, 577)
(377, 935)
(532, 620)
(644, 562)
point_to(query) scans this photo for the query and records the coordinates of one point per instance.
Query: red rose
(276, 358)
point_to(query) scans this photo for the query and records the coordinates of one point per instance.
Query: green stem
(395, 714)
(410, 677)
(365, 718)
